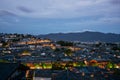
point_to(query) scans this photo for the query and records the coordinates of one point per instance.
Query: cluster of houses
(45, 55)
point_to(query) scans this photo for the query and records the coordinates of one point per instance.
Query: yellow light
(38, 67)
(117, 67)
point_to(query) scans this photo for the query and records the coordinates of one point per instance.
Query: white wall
(40, 78)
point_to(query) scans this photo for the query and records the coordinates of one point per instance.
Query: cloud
(7, 17)
(115, 2)
(94, 22)
(60, 8)
(24, 9)
(5, 23)
(6, 13)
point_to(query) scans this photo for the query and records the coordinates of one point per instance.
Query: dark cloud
(115, 2)
(6, 13)
(24, 9)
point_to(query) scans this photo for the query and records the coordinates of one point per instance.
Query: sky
(56, 16)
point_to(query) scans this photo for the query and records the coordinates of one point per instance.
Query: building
(12, 71)
(66, 75)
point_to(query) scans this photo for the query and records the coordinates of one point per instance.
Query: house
(12, 71)
(45, 74)
(66, 75)
(42, 75)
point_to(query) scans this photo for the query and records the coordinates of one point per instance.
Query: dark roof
(69, 75)
(90, 69)
(43, 73)
(7, 69)
(66, 75)
(46, 73)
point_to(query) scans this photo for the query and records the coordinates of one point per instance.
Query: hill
(84, 36)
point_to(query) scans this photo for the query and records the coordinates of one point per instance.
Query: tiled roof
(6, 69)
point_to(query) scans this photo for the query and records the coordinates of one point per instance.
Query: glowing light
(92, 75)
(117, 67)
(83, 74)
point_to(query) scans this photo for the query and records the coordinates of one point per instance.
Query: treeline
(65, 43)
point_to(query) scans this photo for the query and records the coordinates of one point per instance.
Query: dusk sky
(54, 16)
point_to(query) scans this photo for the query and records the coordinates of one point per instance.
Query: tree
(68, 52)
(81, 64)
(43, 65)
(57, 50)
(16, 40)
(110, 65)
(65, 43)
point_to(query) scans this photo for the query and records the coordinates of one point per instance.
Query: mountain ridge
(86, 36)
